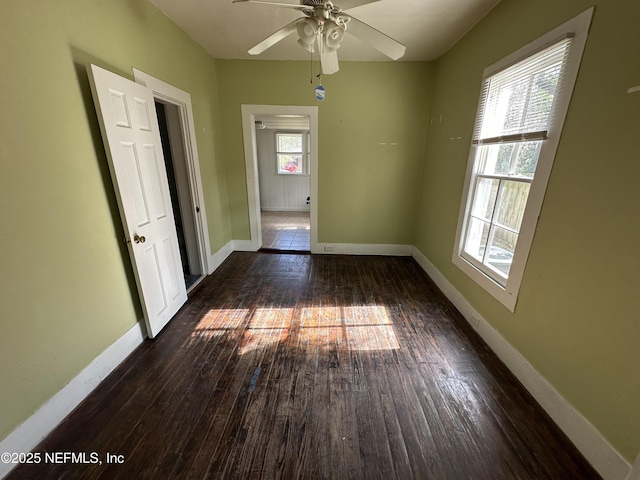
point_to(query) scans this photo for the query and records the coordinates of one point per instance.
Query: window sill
(507, 296)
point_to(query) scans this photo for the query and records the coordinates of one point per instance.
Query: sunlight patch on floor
(359, 328)
(267, 326)
(218, 322)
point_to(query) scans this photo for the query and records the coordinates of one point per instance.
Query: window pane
(503, 244)
(496, 159)
(517, 158)
(527, 159)
(511, 204)
(290, 142)
(477, 235)
(289, 163)
(485, 198)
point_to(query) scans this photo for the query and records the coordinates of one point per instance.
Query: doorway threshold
(193, 281)
(287, 251)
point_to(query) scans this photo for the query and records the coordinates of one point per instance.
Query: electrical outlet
(474, 321)
(328, 248)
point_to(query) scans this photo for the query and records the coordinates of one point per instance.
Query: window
(512, 124)
(292, 153)
(523, 102)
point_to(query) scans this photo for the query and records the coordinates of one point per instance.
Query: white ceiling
(428, 28)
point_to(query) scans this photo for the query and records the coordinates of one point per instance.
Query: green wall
(368, 193)
(66, 286)
(577, 320)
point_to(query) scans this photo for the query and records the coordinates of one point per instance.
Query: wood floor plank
(303, 367)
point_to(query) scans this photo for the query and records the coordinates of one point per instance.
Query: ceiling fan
(322, 29)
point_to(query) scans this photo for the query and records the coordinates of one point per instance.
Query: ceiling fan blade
(274, 38)
(329, 62)
(378, 40)
(328, 58)
(277, 4)
(347, 4)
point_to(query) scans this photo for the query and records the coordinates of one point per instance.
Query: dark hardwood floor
(301, 366)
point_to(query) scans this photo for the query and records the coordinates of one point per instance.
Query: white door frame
(130, 132)
(166, 93)
(249, 113)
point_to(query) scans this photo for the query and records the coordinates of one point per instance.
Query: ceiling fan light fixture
(322, 30)
(333, 35)
(309, 47)
(307, 31)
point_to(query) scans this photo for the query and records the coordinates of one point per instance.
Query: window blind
(516, 103)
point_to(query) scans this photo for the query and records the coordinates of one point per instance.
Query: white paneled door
(129, 126)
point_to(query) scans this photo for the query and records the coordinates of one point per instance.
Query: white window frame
(506, 290)
(304, 152)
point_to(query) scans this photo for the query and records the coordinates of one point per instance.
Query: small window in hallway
(291, 153)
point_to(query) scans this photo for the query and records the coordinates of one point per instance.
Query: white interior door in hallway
(129, 126)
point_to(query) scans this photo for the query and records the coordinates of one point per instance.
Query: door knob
(139, 238)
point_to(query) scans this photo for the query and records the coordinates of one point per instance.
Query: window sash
(493, 224)
(515, 137)
(299, 153)
(516, 107)
(296, 163)
(281, 148)
(532, 110)
(506, 290)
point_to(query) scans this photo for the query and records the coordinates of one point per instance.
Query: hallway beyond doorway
(286, 231)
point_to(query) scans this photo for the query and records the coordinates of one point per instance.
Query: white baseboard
(634, 474)
(596, 449)
(285, 209)
(27, 435)
(362, 249)
(244, 246)
(338, 248)
(220, 256)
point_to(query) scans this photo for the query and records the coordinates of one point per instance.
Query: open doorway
(284, 158)
(177, 132)
(283, 120)
(173, 151)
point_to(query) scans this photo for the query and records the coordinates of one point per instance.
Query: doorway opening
(282, 204)
(177, 132)
(173, 151)
(284, 159)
